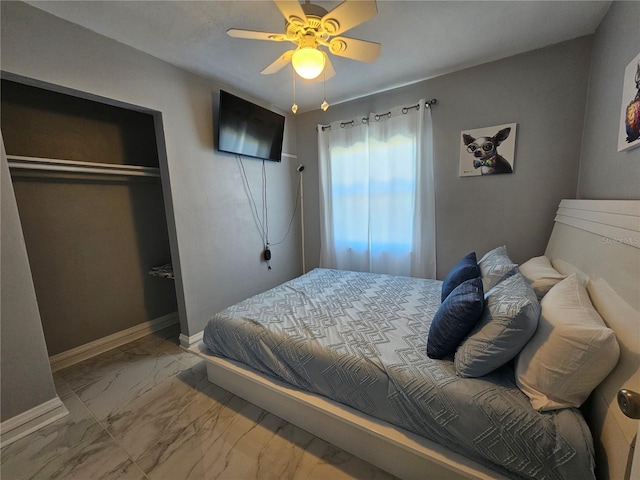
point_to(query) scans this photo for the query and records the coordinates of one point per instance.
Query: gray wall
(211, 228)
(26, 380)
(215, 239)
(605, 172)
(90, 239)
(543, 91)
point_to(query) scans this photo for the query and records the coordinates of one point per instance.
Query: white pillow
(570, 353)
(540, 275)
(566, 268)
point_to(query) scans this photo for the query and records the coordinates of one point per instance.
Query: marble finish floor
(147, 411)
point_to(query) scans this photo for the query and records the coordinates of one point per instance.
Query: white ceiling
(420, 39)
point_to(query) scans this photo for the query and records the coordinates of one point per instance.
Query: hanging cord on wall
(293, 215)
(265, 217)
(262, 224)
(267, 251)
(254, 208)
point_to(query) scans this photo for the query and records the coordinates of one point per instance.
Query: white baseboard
(27, 422)
(91, 349)
(187, 342)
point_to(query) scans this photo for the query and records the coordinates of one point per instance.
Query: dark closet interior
(90, 199)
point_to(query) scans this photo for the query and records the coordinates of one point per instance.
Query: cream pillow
(540, 275)
(571, 352)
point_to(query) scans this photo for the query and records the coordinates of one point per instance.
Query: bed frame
(600, 240)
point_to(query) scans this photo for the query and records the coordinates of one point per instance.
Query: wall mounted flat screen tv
(248, 129)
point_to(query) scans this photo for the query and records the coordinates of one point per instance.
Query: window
(372, 198)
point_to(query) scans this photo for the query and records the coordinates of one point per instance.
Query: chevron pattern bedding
(360, 339)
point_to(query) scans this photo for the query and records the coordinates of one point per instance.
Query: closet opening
(89, 191)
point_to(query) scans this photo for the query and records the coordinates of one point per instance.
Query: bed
(343, 355)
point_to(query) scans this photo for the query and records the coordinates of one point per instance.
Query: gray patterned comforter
(360, 339)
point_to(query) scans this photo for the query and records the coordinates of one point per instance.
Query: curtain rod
(377, 116)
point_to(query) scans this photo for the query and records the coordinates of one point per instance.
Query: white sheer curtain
(377, 201)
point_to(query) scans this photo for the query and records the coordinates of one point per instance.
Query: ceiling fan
(310, 26)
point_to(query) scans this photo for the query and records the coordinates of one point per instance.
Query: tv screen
(248, 129)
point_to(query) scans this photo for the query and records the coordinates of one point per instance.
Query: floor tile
(146, 411)
(110, 395)
(74, 447)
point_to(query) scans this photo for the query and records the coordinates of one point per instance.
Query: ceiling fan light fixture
(308, 62)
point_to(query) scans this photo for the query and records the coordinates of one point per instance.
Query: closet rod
(56, 165)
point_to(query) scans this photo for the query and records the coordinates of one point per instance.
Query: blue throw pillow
(466, 269)
(455, 318)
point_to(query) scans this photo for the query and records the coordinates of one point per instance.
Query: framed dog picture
(629, 130)
(487, 151)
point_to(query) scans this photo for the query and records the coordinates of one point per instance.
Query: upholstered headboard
(600, 241)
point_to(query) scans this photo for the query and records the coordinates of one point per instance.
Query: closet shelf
(56, 165)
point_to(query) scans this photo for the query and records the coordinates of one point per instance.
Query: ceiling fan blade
(253, 35)
(328, 71)
(361, 50)
(348, 14)
(281, 62)
(292, 11)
